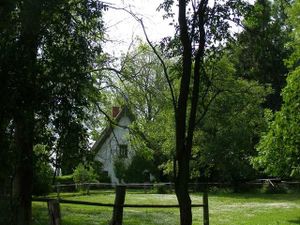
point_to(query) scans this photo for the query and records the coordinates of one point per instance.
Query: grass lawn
(229, 209)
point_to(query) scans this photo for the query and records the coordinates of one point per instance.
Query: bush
(84, 174)
(42, 172)
(162, 189)
(101, 176)
(120, 168)
(267, 188)
(66, 179)
(220, 189)
(137, 171)
(42, 179)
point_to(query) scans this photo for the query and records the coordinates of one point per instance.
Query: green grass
(227, 209)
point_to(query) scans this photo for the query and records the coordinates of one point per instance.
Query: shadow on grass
(247, 196)
(296, 221)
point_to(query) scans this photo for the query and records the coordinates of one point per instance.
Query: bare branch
(139, 20)
(206, 107)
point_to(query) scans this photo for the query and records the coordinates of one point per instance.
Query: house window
(123, 151)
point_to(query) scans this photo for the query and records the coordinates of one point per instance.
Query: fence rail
(66, 201)
(54, 206)
(207, 184)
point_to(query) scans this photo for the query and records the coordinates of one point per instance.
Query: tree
(198, 27)
(139, 85)
(47, 51)
(279, 147)
(260, 48)
(226, 136)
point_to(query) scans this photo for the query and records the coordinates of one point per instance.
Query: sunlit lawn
(231, 209)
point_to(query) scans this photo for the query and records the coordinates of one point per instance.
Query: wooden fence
(117, 217)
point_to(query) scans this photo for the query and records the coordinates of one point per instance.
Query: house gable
(114, 142)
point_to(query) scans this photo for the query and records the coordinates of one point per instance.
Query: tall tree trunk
(181, 189)
(182, 152)
(26, 72)
(22, 185)
(188, 92)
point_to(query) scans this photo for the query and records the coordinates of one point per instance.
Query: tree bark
(54, 212)
(23, 115)
(181, 189)
(22, 185)
(117, 218)
(182, 153)
(188, 92)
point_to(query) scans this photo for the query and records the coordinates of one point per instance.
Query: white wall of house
(110, 148)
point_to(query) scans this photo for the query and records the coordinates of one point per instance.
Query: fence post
(54, 212)
(117, 217)
(58, 190)
(88, 189)
(205, 208)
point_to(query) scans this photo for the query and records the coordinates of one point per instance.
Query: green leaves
(226, 135)
(55, 83)
(261, 48)
(84, 174)
(279, 147)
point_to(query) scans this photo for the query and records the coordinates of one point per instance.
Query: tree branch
(197, 68)
(174, 101)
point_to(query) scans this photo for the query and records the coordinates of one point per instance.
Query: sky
(121, 27)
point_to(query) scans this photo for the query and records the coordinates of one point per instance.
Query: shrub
(42, 172)
(66, 179)
(101, 175)
(267, 188)
(42, 179)
(120, 168)
(84, 174)
(162, 189)
(137, 170)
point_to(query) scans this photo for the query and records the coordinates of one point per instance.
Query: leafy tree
(260, 48)
(72, 145)
(279, 147)
(142, 88)
(225, 138)
(199, 27)
(47, 49)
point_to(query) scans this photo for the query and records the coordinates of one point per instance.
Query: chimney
(115, 111)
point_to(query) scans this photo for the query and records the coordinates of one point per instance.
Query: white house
(114, 142)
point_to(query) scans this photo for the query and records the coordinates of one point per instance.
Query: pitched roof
(109, 128)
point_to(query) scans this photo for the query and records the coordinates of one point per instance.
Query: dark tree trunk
(182, 152)
(23, 115)
(22, 185)
(117, 218)
(54, 212)
(181, 189)
(189, 94)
